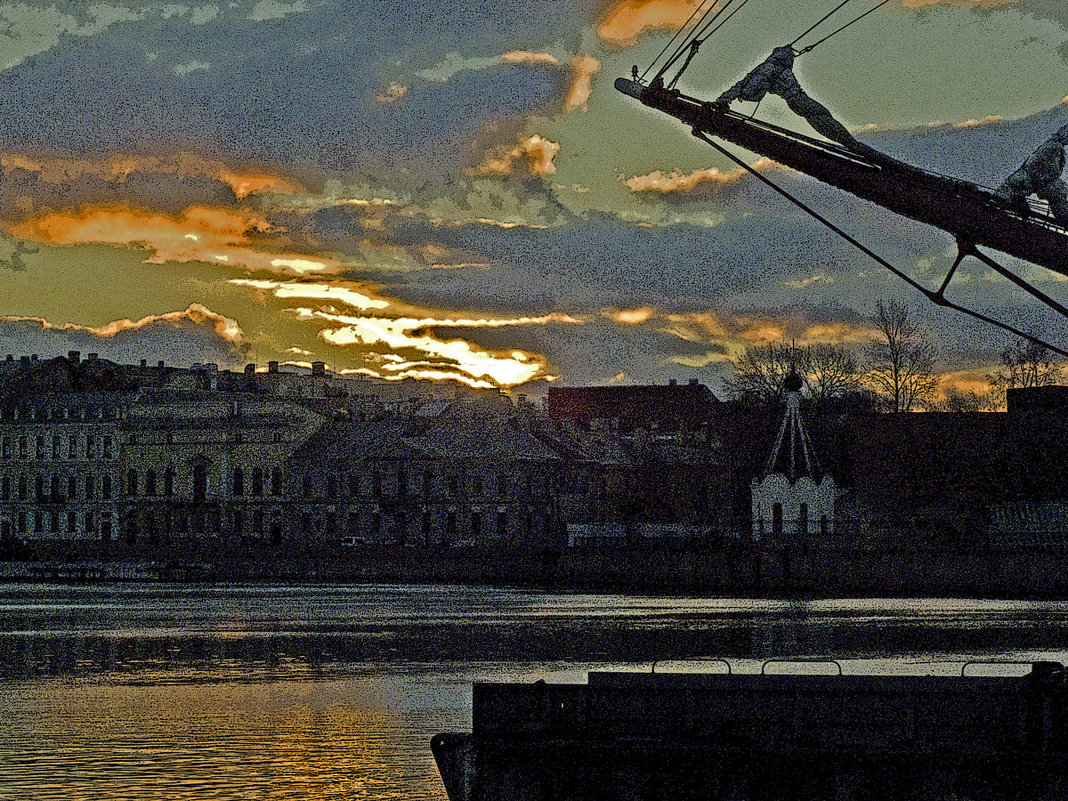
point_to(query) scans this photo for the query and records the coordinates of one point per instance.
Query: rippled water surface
(267, 692)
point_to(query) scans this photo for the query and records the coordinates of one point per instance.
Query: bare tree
(900, 360)
(832, 371)
(826, 370)
(1026, 364)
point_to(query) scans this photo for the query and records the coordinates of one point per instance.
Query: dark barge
(625, 736)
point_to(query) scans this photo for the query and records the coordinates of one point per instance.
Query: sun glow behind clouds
(366, 334)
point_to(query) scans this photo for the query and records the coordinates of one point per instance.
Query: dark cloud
(297, 91)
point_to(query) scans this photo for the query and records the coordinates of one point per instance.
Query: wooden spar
(971, 214)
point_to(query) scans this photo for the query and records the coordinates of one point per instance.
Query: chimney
(318, 368)
(693, 382)
(74, 356)
(24, 361)
(33, 357)
(272, 367)
(250, 368)
(159, 364)
(94, 356)
(144, 363)
(10, 357)
(673, 383)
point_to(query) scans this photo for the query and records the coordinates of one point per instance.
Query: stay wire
(678, 33)
(696, 42)
(935, 297)
(832, 33)
(820, 22)
(686, 45)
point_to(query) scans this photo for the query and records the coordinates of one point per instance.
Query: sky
(454, 190)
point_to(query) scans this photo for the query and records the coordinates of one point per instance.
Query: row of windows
(56, 522)
(376, 484)
(60, 413)
(55, 488)
(377, 526)
(56, 447)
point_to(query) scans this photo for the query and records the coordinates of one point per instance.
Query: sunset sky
(455, 190)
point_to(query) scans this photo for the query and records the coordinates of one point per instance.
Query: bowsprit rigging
(1001, 219)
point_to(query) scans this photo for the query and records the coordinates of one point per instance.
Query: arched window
(239, 481)
(131, 482)
(276, 481)
(89, 487)
(776, 519)
(150, 482)
(72, 488)
(55, 488)
(105, 488)
(257, 481)
(39, 487)
(168, 482)
(802, 519)
(823, 525)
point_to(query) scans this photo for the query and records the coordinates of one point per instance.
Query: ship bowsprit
(766, 738)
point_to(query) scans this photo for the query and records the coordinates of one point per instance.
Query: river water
(275, 692)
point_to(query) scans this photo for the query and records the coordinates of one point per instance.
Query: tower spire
(792, 454)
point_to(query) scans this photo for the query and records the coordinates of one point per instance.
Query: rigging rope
(682, 48)
(839, 30)
(935, 297)
(820, 22)
(698, 40)
(678, 33)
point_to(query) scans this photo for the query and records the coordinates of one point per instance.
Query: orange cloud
(583, 68)
(527, 57)
(224, 327)
(392, 93)
(200, 233)
(678, 181)
(117, 168)
(630, 316)
(916, 5)
(626, 19)
(536, 150)
(976, 123)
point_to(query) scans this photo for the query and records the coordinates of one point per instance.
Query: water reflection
(182, 692)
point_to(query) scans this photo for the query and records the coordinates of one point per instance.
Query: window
(476, 485)
(72, 446)
(257, 481)
(22, 490)
(376, 484)
(72, 522)
(131, 482)
(105, 488)
(402, 481)
(476, 525)
(90, 446)
(90, 524)
(776, 519)
(168, 482)
(38, 522)
(57, 447)
(502, 524)
(53, 523)
(39, 488)
(239, 481)
(502, 485)
(802, 520)
(276, 481)
(331, 487)
(428, 482)
(5, 448)
(150, 482)
(5, 487)
(22, 521)
(23, 449)
(40, 447)
(88, 488)
(72, 488)
(54, 490)
(823, 525)
(107, 447)
(200, 482)
(376, 524)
